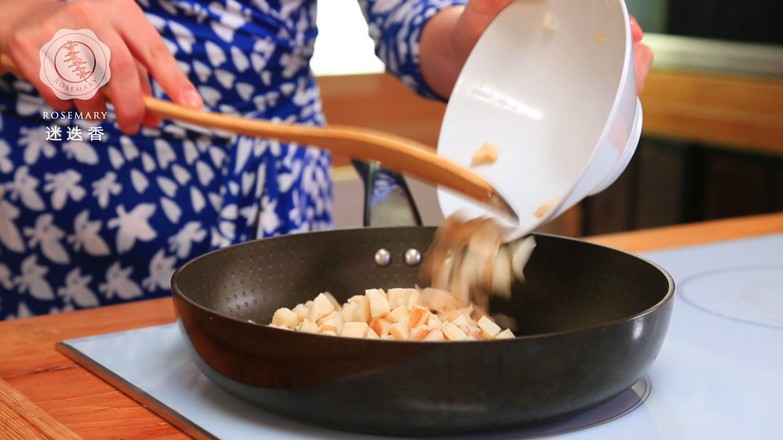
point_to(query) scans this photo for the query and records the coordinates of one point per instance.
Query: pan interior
(569, 284)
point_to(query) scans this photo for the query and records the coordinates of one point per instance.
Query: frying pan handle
(388, 200)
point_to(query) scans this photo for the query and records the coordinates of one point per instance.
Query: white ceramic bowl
(551, 85)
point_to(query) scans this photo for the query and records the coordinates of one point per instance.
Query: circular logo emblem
(75, 64)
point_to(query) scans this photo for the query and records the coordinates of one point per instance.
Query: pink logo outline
(75, 64)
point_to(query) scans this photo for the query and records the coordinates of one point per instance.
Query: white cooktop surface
(719, 373)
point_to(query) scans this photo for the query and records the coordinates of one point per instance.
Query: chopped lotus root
(549, 22)
(487, 154)
(599, 37)
(471, 262)
(467, 262)
(428, 315)
(545, 207)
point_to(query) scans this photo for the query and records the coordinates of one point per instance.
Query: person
(101, 211)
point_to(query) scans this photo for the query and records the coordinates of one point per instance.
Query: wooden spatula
(394, 152)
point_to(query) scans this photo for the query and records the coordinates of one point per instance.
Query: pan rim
(671, 287)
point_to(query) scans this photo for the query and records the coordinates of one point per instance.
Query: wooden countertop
(45, 394)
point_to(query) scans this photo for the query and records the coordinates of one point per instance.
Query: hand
(448, 38)
(643, 56)
(136, 49)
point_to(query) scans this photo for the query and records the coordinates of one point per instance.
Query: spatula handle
(396, 153)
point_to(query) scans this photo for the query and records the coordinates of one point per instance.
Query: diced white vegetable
(435, 336)
(488, 328)
(327, 328)
(521, 254)
(462, 324)
(357, 309)
(441, 301)
(414, 299)
(334, 320)
(433, 321)
(398, 314)
(452, 332)
(399, 330)
(285, 317)
(452, 314)
(379, 305)
(502, 275)
(322, 306)
(333, 300)
(545, 208)
(367, 292)
(549, 22)
(308, 326)
(599, 37)
(398, 297)
(505, 334)
(355, 329)
(380, 326)
(302, 311)
(419, 333)
(487, 154)
(418, 317)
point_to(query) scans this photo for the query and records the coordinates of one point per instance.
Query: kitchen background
(712, 144)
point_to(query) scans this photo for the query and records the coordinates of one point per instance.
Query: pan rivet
(382, 257)
(412, 257)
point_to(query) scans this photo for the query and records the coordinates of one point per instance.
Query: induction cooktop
(718, 374)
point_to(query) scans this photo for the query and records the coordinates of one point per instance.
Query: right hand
(136, 49)
(643, 56)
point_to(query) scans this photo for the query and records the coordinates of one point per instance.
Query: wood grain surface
(21, 419)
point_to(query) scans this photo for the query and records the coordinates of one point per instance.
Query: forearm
(396, 28)
(441, 56)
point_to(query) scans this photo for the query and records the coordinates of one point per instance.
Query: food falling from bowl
(466, 263)
(470, 259)
(549, 22)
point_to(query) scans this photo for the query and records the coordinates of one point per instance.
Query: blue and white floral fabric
(90, 216)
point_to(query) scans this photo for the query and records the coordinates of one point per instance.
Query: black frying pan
(591, 321)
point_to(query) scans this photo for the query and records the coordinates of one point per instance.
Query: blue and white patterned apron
(93, 222)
